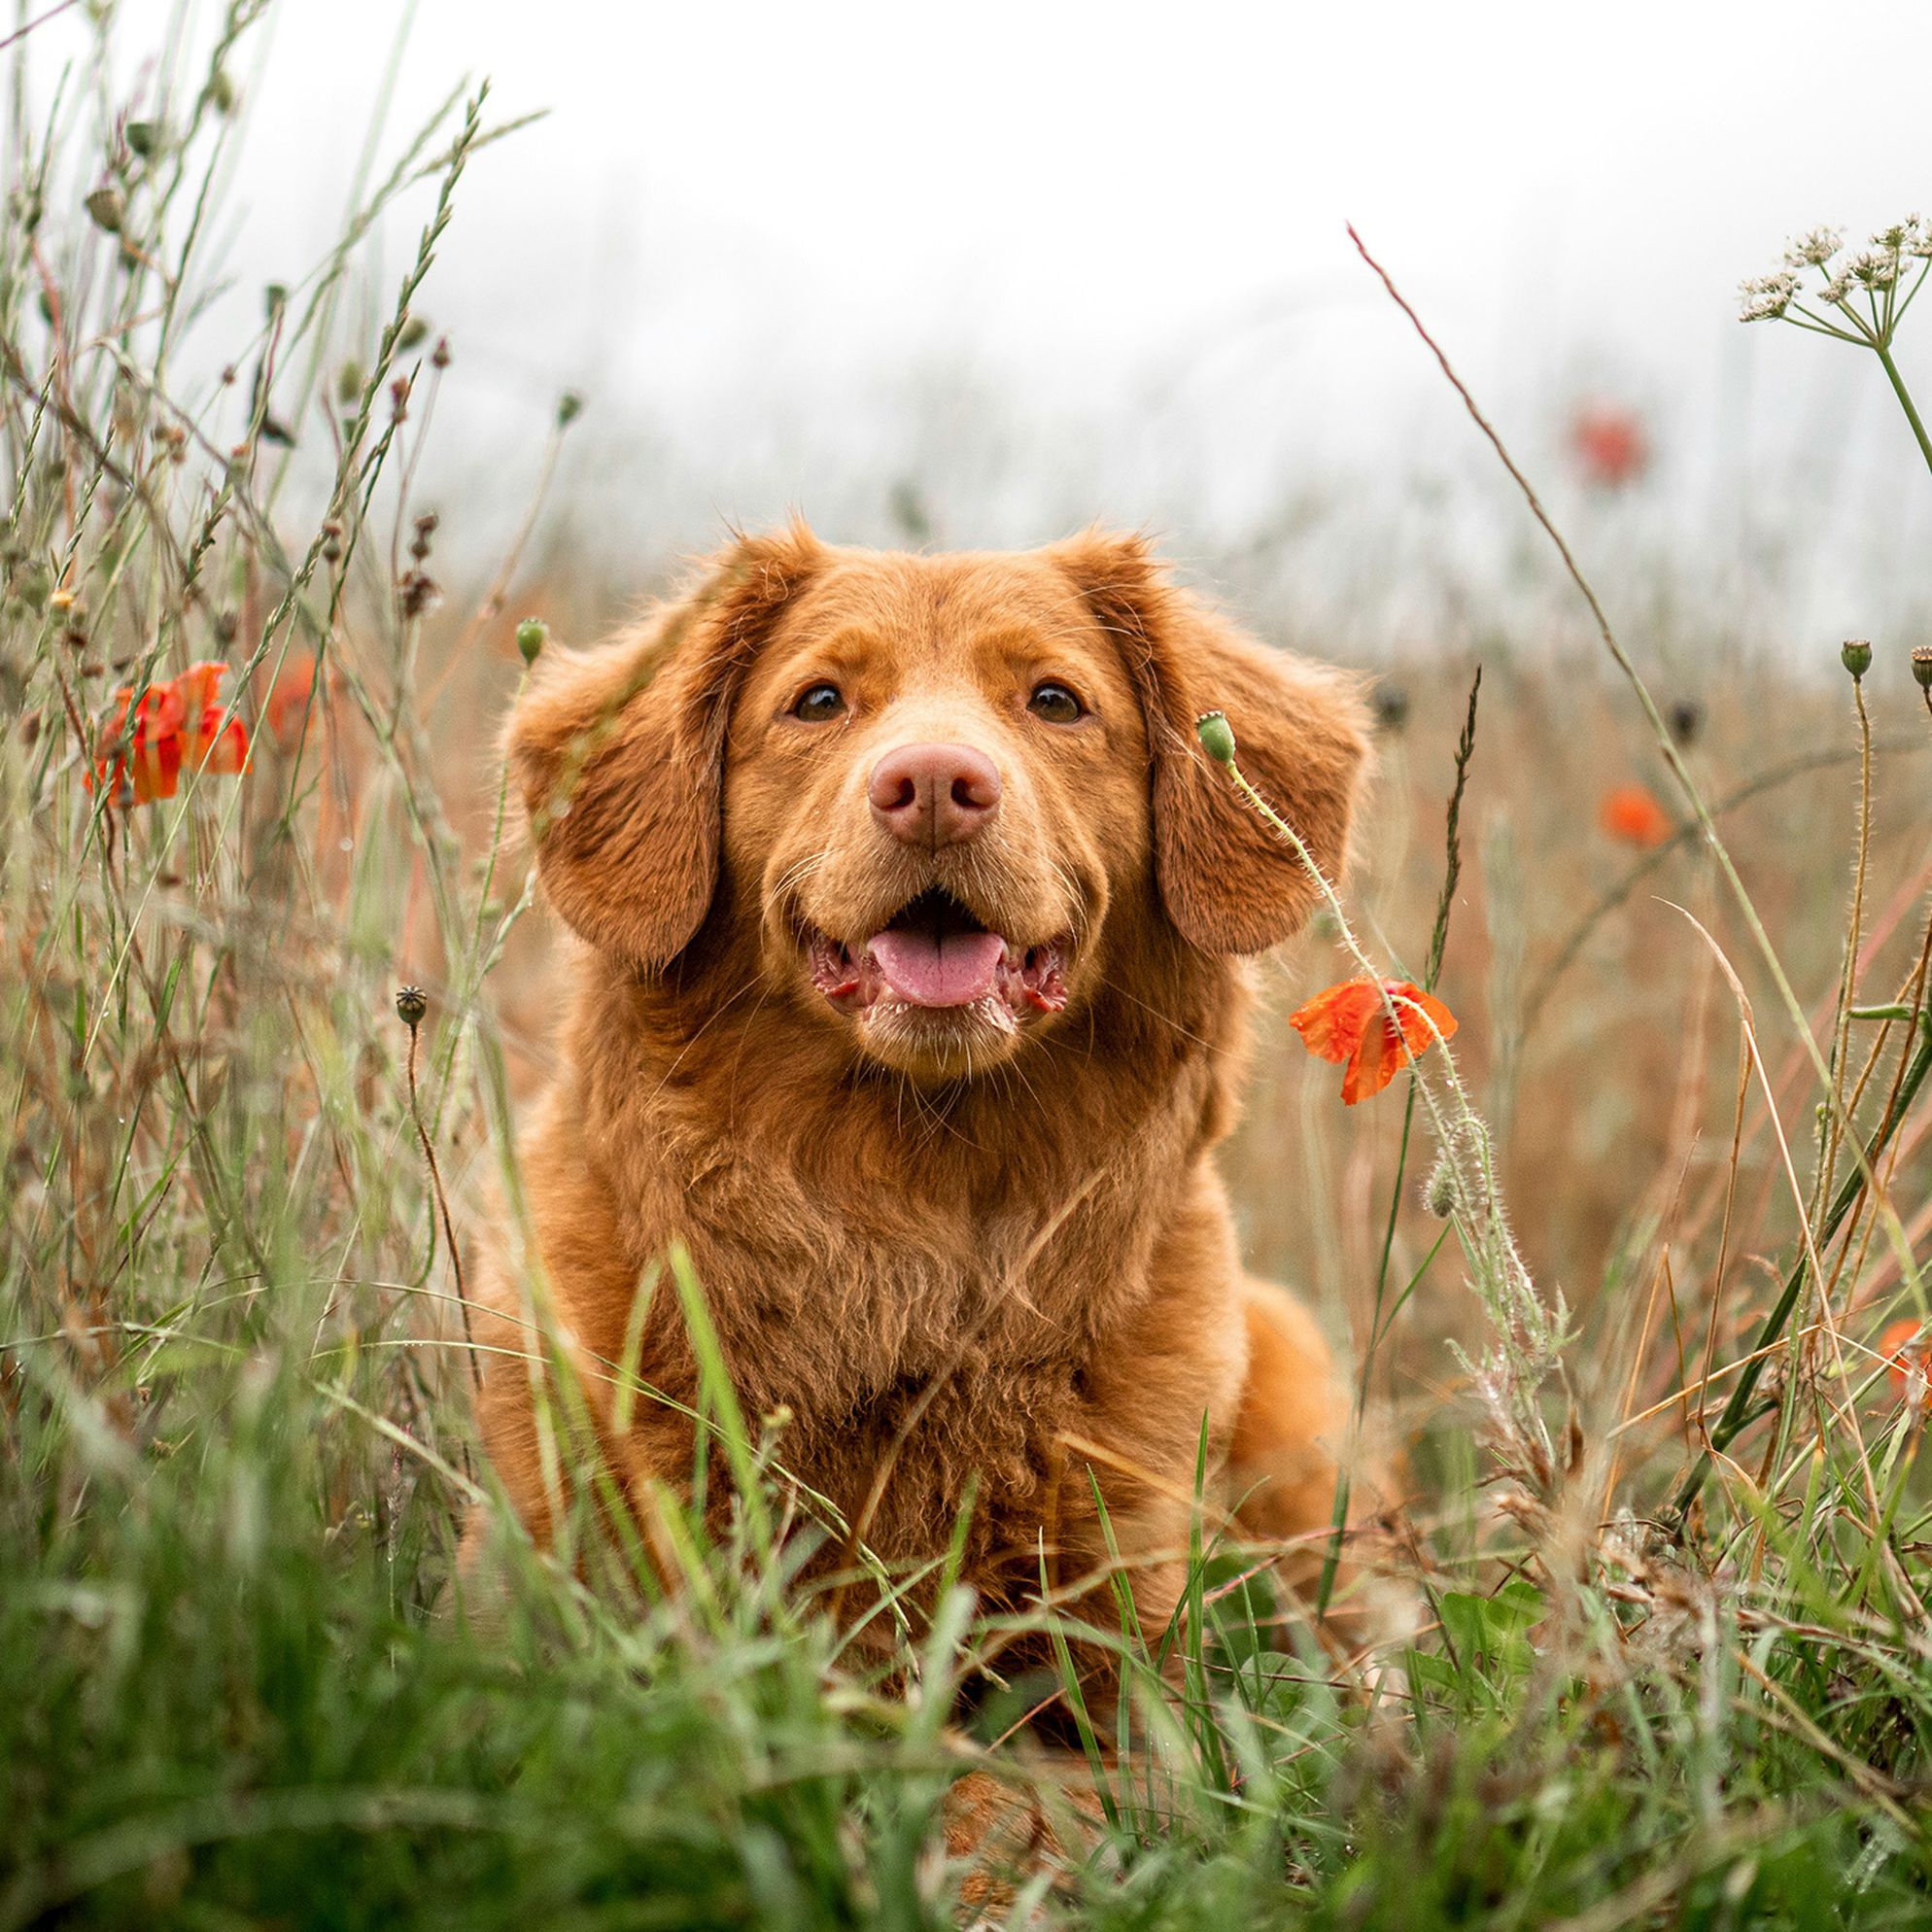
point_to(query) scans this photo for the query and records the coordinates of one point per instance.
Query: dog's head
(939, 798)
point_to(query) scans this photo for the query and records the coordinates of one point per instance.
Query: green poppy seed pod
(1856, 656)
(1921, 666)
(144, 137)
(106, 209)
(411, 1004)
(1217, 737)
(570, 406)
(532, 633)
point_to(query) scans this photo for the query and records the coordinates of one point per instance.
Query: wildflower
(148, 759)
(1813, 250)
(173, 726)
(1610, 445)
(1766, 296)
(1350, 1021)
(209, 743)
(288, 702)
(1908, 1354)
(1835, 289)
(1874, 267)
(1632, 815)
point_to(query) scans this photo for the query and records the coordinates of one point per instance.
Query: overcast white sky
(792, 252)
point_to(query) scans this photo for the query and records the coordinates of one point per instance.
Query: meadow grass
(1656, 1499)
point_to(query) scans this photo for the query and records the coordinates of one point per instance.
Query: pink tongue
(924, 971)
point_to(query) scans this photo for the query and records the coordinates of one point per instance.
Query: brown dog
(911, 1002)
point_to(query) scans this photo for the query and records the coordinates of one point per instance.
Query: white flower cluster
(1872, 270)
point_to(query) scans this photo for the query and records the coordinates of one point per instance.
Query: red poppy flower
(288, 702)
(1611, 446)
(173, 724)
(1631, 814)
(1902, 1358)
(1350, 1022)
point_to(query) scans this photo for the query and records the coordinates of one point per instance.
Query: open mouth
(933, 953)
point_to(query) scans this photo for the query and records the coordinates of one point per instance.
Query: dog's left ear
(1230, 883)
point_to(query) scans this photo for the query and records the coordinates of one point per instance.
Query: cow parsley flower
(1767, 296)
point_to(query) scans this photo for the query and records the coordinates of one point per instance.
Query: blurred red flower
(173, 725)
(288, 702)
(1631, 814)
(1901, 1356)
(1610, 445)
(1350, 1022)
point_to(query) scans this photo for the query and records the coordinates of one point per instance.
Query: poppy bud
(107, 208)
(411, 1004)
(1856, 656)
(1921, 666)
(1217, 737)
(532, 633)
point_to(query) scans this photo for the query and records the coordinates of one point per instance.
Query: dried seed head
(532, 633)
(106, 209)
(1856, 656)
(1686, 722)
(440, 354)
(1921, 666)
(426, 529)
(411, 1004)
(1217, 737)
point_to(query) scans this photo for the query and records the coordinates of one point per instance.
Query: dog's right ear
(617, 755)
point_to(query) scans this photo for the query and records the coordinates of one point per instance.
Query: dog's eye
(1056, 703)
(818, 703)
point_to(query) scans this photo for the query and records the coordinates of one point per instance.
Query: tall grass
(1671, 1661)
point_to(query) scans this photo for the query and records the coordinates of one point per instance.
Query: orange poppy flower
(1631, 814)
(288, 702)
(208, 744)
(173, 724)
(1350, 1022)
(1896, 1346)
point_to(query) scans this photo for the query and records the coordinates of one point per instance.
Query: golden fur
(954, 1252)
